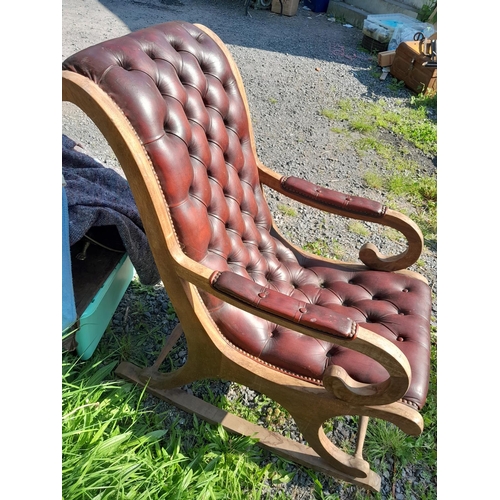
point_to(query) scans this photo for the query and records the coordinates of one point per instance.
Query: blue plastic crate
(317, 5)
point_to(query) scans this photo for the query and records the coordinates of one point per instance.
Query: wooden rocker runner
(323, 338)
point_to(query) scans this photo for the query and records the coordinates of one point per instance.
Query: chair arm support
(354, 207)
(310, 315)
(318, 321)
(365, 209)
(350, 205)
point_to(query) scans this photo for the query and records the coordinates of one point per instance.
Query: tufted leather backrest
(178, 90)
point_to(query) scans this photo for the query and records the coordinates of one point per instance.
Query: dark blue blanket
(99, 196)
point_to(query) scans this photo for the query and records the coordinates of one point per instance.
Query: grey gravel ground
(292, 67)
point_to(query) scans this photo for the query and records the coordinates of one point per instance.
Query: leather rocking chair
(321, 337)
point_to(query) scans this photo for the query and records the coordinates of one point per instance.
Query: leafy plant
(425, 12)
(395, 85)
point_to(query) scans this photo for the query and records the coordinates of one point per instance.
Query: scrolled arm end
(374, 259)
(338, 382)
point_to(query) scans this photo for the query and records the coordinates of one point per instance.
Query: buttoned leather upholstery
(177, 89)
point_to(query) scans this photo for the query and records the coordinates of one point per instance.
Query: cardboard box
(408, 66)
(289, 7)
(385, 58)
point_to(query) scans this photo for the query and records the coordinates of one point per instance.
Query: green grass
(358, 227)
(332, 250)
(115, 448)
(386, 441)
(400, 178)
(408, 121)
(287, 210)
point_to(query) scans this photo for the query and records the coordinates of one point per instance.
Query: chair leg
(360, 440)
(150, 376)
(169, 344)
(352, 465)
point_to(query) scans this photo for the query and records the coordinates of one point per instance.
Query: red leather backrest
(177, 89)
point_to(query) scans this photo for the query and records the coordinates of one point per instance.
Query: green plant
(322, 248)
(410, 122)
(374, 180)
(392, 234)
(362, 124)
(403, 181)
(385, 439)
(328, 113)
(395, 85)
(287, 210)
(105, 445)
(382, 148)
(426, 11)
(339, 130)
(386, 443)
(358, 227)
(428, 100)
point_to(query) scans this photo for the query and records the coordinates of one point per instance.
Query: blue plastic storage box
(317, 5)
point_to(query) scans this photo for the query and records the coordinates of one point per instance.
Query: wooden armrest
(339, 329)
(354, 207)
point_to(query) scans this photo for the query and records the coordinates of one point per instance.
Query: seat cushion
(393, 305)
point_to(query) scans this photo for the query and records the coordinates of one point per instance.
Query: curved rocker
(321, 337)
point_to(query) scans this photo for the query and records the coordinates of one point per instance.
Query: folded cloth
(99, 196)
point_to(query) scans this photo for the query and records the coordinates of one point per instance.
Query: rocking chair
(321, 337)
